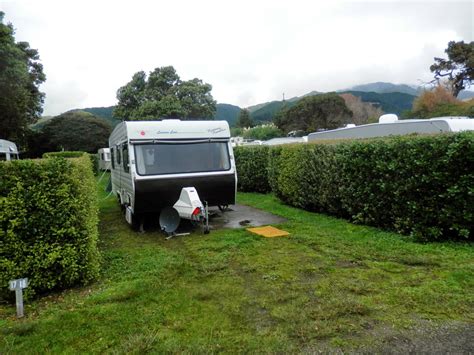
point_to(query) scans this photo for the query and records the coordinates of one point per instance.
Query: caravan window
(161, 158)
(3, 156)
(118, 155)
(112, 153)
(125, 158)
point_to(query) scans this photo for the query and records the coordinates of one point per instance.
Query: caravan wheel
(135, 220)
(137, 224)
(223, 208)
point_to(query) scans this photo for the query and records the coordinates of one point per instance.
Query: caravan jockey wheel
(223, 208)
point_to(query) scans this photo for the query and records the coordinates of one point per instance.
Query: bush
(64, 154)
(49, 216)
(418, 185)
(95, 162)
(263, 132)
(252, 168)
(76, 154)
(307, 176)
(414, 185)
(438, 103)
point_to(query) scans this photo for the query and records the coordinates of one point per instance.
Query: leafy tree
(20, 76)
(439, 102)
(38, 143)
(164, 95)
(313, 113)
(362, 112)
(458, 68)
(244, 120)
(263, 132)
(77, 130)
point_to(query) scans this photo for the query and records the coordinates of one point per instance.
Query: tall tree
(77, 130)
(313, 113)
(362, 112)
(164, 95)
(244, 120)
(458, 68)
(21, 73)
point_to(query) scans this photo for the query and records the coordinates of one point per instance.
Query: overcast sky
(249, 51)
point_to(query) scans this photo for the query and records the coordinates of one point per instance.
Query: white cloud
(250, 51)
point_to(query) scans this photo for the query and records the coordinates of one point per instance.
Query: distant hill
(391, 98)
(312, 93)
(383, 88)
(256, 107)
(102, 112)
(227, 112)
(394, 102)
(267, 112)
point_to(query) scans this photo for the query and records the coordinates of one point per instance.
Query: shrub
(64, 154)
(262, 132)
(76, 154)
(252, 168)
(418, 185)
(95, 162)
(438, 103)
(49, 216)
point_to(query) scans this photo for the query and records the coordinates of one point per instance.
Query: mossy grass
(329, 286)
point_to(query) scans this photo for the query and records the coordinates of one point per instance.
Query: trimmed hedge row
(48, 218)
(76, 154)
(417, 185)
(64, 154)
(252, 168)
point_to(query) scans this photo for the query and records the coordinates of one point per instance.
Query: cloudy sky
(249, 51)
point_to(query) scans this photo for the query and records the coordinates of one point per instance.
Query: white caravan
(8, 150)
(389, 125)
(152, 161)
(104, 158)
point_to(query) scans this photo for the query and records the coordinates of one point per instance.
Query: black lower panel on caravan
(154, 194)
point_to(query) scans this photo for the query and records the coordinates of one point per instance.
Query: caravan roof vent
(388, 118)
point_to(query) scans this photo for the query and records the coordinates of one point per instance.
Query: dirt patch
(351, 264)
(236, 216)
(427, 338)
(240, 216)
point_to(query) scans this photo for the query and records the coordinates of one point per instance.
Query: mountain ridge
(390, 97)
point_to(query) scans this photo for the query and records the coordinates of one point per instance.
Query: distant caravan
(389, 125)
(156, 165)
(104, 159)
(8, 150)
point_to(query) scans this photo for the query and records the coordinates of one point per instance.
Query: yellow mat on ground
(268, 232)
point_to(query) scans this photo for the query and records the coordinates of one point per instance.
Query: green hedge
(76, 154)
(252, 168)
(49, 217)
(64, 154)
(418, 185)
(95, 162)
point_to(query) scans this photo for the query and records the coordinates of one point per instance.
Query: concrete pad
(241, 216)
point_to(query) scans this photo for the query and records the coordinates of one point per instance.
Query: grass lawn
(330, 285)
